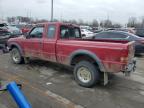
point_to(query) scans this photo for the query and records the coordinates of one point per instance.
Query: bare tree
(132, 22)
(102, 24)
(95, 23)
(116, 25)
(73, 21)
(106, 24)
(81, 22)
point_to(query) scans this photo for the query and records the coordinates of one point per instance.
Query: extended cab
(62, 43)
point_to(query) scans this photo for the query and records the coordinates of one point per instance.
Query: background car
(27, 28)
(140, 32)
(86, 33)
(4, 36)
(122, 36)
(13, 30)
(6, 32)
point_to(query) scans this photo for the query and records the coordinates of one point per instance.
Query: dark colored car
(7, 32)
(122, 36)
(140, 32)
(4, 36)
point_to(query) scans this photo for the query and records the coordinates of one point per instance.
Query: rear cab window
(69, 32)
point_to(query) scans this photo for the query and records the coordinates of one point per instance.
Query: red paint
(59, 50)
(25, 30)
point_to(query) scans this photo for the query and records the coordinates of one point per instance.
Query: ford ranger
(62, 43)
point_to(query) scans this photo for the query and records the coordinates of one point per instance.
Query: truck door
(34, 43)
(49, 50)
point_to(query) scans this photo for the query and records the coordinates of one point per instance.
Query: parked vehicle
(86, 27)
(122, 36)
(129, 30)
(26, 28)
(140, 32)
(86, 33)
(4, 36)
(62, 43)
(7, 32)
(13, 30)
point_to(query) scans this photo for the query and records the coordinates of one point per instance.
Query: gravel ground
(49, 85)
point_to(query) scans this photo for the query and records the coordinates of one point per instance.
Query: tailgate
(131, 50)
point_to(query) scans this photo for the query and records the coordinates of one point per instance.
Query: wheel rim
(84, 75)
(15, 55)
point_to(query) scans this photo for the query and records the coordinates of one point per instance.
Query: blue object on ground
(18, 96)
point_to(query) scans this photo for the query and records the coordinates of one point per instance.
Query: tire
(83, 35)
(16, 57)
(86, 74)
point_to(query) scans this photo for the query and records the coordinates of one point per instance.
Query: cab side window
(37, 32)
(64, 32)
(69, 32)
(51, 31)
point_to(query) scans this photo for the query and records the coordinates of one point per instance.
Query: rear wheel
(16, 56)
(86, 74)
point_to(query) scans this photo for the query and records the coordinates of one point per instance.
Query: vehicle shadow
(115, 82)
(139, 55)
(60, 69)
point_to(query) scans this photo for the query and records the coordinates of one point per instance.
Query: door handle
(40, 44)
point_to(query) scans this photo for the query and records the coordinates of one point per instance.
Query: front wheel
(16, 56)
(86, 74)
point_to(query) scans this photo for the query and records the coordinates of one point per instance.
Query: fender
(86, 52)
(16, 45)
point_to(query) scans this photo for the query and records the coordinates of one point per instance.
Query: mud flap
(106, 80)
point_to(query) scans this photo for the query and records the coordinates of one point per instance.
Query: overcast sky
(116, 10)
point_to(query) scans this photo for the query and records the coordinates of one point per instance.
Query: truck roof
(58, 23)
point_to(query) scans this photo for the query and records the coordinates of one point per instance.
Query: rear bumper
(115, 67)
(130, 67)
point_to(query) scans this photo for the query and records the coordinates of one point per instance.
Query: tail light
(124, 59)
(129, 55)
(131, 52)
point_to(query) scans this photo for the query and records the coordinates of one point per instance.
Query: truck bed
(106, 40)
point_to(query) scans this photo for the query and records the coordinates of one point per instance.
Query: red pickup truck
(62, 43)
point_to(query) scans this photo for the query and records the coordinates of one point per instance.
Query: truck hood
(15, 38)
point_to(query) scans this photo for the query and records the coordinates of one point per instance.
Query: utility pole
(1, 11)
(51, 10)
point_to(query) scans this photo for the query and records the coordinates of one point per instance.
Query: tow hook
(130, 68)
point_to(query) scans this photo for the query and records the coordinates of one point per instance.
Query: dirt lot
(48, 85)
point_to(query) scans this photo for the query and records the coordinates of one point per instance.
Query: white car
(86, 33)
